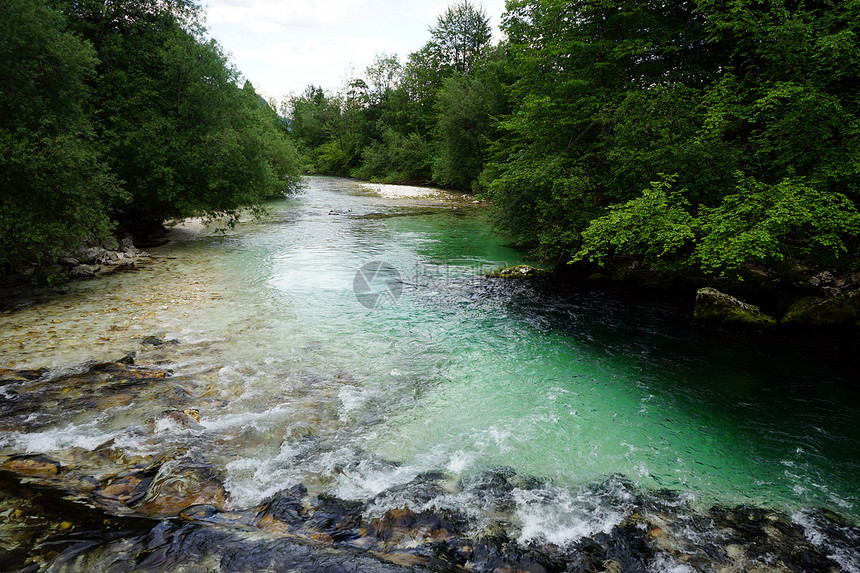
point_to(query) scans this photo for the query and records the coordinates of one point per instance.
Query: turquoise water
(452, 372)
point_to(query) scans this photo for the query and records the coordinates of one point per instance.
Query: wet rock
(404, 528)
(39, 524)
(815, 311)
(10, 377)
(500, 553)
(495, 487)
(152, 341)
(125, 489)
(500, 479)
(287, 508)
(420, 491)
(188, 418)
(335, 517)
(128, 359)
(115, 401)
(127, 371)
(33, 374)
(84, 271)
(519, 272)
(178, 486)
(718, 307)
(760, 536)
(199, 512)
(31, 466)
(628, 546)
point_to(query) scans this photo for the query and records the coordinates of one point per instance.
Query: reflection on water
(296, 382)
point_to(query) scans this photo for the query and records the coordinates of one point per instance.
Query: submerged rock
(815, 311)
(125, 489)
(715, 306)
(180, 485)
(31, 466)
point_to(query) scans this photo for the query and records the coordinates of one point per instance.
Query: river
(348, 342)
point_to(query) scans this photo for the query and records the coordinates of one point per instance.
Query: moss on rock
(816, 311)
(715, 306)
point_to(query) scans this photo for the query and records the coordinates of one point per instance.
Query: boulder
(519, 272)
(816, 311)
(715, 306)
(85, 271)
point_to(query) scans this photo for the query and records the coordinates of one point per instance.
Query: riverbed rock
(719, 307)
(125, 489)
(10, 377)
(179, 486)
(31, 466)
(84, 271)
(815, 311)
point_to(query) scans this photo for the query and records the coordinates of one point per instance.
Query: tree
(56, 188)
(467, 107)
(606, 97)
(174, 125)
(460, 36)
(789, 100)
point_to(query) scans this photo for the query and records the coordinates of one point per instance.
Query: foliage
(56, 188)
(771, 224)
(466, 107)
(123, 110)
(175, 125)
(460, 37)
(656, 226)
(396, 158)
(758, 224)
(426, 120)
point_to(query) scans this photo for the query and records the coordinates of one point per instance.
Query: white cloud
(282, 46)
(269, 16)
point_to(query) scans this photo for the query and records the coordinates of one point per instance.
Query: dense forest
(115, 116)
(700, 138)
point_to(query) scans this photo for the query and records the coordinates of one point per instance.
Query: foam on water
(843, 548)
(664, 563)
(562, 516)
(87, 436)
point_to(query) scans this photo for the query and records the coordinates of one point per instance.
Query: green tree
(789, 99)
(55, 188)
(782, 117)
(174, 125)
(606, 97)
(459, 38)
(467, 109)
(775, 226)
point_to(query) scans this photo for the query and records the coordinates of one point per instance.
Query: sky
(281, 46)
